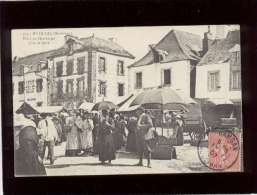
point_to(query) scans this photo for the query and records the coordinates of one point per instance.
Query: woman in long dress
(106, 144)
(131, 140)
(86, 137)
(73, 142)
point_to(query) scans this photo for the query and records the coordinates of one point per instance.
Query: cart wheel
(198, 134)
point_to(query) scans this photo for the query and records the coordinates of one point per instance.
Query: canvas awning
(125, 107)
(219, 101)
(26, 109)
(86, 106)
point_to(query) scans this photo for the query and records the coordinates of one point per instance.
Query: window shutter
(217, 79)
(209, 81)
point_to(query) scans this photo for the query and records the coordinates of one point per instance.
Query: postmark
(223, 151)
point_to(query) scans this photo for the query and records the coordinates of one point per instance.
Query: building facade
(170, 63)
(30, 80)
(90, 69)
(218, 74)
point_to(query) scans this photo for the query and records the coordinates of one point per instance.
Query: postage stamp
(223, 151)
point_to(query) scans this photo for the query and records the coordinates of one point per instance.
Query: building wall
(34, 97)
(224, 90)
(111, 77)
(73, 76)
(92, 75)
(152, 76)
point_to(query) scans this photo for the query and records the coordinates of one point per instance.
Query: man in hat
(144, 123)
(49, 135)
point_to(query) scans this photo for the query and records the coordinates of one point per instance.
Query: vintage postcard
(127, 100)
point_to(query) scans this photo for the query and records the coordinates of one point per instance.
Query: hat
(141, 108)
(43, 114)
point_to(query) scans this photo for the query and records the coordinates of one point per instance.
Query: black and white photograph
(127, 100)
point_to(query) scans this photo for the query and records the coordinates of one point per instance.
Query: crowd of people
(101, 133)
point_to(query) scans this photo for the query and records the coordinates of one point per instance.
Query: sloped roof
(220, 50)
(98, 44)
(178, 44)
(31, 60)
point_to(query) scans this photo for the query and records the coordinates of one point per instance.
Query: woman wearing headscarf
(119, 134)
(27, 160)
(106, 144)
(86, 137)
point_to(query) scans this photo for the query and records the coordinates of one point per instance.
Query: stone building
(91, 69)
(218, 74)
(169, 63)
(30, 80)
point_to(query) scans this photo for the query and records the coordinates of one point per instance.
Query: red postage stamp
(224, 151)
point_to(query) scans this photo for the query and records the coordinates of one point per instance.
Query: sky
(133, 39)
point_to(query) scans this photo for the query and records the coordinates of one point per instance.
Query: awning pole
(162, 118)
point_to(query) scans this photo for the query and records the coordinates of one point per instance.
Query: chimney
(207, 40)
(220, 32)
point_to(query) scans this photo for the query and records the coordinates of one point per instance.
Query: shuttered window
(59, 89)
(102, 64)
(138, 80)
(69, 67)
(120, 68)
(81, 65)
(236, 80)
(213, 81)
(167, 77)
(102, 88)
(39, 85)
(69, 87)
(21, 87)
(59, 69)
(120, 89)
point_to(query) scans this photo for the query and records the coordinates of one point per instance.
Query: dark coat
(106, 144)
(27, 160)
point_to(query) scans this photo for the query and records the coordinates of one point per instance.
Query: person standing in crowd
(58, 128)
(131, 140)
(72, 145)
(27, 160)
(86, 137)
(95, 132)
(144, 123)
(49, 135)
(117, 135)
(106, 144)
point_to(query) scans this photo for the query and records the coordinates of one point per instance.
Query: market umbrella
(26, 109)
(104, 105)
(86, 106)
(161, 98)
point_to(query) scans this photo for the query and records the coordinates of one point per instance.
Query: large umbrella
(163, 96)
(86, 106)
(26, 109)
(104, 105)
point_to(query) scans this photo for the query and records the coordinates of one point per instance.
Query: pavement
(187, 162)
